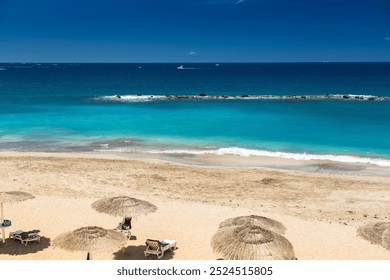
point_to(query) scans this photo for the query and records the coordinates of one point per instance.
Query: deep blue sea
(73, 107)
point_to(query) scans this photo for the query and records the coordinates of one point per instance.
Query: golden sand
(321, 211)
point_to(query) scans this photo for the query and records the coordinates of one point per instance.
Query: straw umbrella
(11, 197)
(373, 232)
(251, 243)
(386, 239)
(255, 220)
(90, 239)
(123, 206)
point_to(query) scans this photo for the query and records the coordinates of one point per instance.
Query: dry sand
(321, 211)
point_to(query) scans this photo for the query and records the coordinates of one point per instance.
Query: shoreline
(205, 154)
(311, 166)
(227, 160)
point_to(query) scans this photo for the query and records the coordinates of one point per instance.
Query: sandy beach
(321, 211)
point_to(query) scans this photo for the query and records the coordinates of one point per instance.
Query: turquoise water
(56, 107)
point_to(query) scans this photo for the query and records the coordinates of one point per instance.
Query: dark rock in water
(203, 96)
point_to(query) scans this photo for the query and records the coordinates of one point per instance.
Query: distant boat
(217, 64)
(181, 67)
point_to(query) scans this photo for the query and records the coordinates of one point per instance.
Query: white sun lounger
(158, 248)
(25, 236)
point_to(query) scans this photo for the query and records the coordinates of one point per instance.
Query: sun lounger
(25, 236)
(158, 248)
(125, 227)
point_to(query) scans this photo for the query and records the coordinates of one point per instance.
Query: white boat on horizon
(181, 67)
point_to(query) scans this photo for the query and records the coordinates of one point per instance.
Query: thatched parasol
(386, 239)
(373, 232)
(11, 197)
(14, 196)
(255, 220)
(123, 206)
(90, 239)
(251, 243)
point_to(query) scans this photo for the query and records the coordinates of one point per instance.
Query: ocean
(333, 111)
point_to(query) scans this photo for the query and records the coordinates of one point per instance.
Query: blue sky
(194, 30)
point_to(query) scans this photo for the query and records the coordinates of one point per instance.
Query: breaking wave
(144, 98)
(262, 153)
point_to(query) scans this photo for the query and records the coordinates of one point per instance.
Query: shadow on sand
(15, 247)
(137, 253)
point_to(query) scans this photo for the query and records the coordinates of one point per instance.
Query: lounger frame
(158, 248)
(30, 237)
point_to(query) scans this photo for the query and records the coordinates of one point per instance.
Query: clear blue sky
(194, 30)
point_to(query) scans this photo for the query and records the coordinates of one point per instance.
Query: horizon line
(183, 62)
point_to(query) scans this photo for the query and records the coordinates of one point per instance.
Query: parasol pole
(1, 222)
(89, 256)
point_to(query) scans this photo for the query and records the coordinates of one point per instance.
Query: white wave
(131, 98)
(104, 145)
(262, 153)
(143, 98)
(304, 156)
